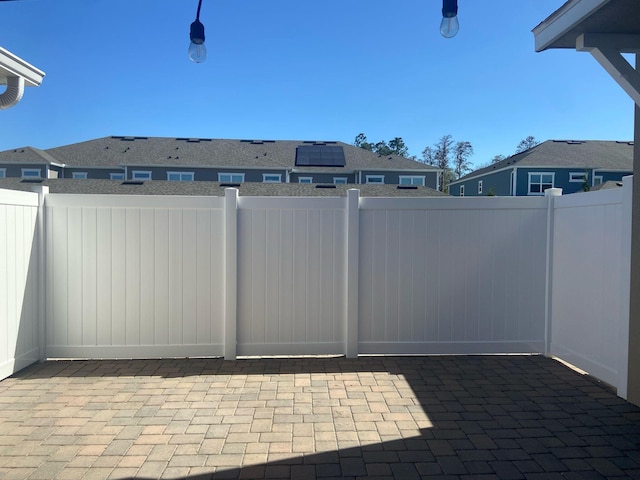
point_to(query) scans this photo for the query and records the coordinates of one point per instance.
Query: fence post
(625, 294)
(230, 272)
(352, 267)
(551, 193)
(42, 192)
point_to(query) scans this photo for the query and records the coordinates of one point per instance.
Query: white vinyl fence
(591, 275)
(144, 276)
(19, 301)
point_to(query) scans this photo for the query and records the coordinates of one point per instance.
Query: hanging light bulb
(449, 25)
(197, 48)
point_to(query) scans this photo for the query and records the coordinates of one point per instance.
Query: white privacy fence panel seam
(18, 281)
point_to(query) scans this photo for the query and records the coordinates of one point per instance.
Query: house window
(479, 187)
(539, 182)
(339, 180)
(462, 190)
(3, 172)
(180, 176)
(231, 177)
(577, 177)
(31, 173)
(411, 180)
(305, 179)
(597, 179)
(271, 178)
(116, 176)
(141, 175)
(377, 179)
(79, 175)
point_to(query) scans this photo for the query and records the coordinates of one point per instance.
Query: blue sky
(305, 71)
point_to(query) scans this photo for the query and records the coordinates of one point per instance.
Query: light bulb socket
(197, 32)
(449, 8)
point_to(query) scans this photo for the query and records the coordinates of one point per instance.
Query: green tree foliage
(526, 143)
(395, 146)
(461, 153)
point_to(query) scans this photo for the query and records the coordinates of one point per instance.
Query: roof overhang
(13, 66)
(604, 28)
(577, 17)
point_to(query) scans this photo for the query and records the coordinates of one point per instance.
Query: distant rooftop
(326, 156)
(216, 189)
(600, 154)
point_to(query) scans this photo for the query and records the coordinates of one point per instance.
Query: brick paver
(505, 417)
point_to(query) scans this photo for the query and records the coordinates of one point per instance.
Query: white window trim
(462, 190)
(116, 175)
(140, 174)
(79, 175)
(340, 180)
(373, 179)
(190, 176)
(411, 179)
(479, 187)
(3, 173)
(266, 175)
(597, 180)
(305, 179)
(541, 193)
(582, 175)
(231, 175)
(31, 173)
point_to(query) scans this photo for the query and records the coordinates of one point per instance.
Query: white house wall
(134, 276)
(452, 275)
(18, 281)
(591, 283)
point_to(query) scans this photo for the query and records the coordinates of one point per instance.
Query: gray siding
(322, 177)
(498, 184)
(204, 174)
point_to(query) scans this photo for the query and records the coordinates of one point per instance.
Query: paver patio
(475, 417)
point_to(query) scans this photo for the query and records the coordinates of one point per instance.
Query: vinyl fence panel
(452, 275)
(591, 283)
(19, 295)
(134, 276)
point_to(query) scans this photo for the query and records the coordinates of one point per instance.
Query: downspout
(13, 93)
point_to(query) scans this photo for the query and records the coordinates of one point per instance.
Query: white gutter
(16, 74)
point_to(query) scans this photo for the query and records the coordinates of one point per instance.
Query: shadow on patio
(486, 417)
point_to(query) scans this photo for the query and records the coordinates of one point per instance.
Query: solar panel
(319, 156)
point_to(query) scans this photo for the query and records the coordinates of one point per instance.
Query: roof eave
(549, 33)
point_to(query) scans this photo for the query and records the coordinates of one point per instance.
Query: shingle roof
(26, 155)
(160, 187)
(605, 155)
(264, 154)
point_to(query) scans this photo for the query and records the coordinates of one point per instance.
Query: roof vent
(32, 180)
(407, 187)
(575, 142)
(235, 185)
(133, 182)
(325, 186)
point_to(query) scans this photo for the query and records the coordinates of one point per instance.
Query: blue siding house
(573, 165)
